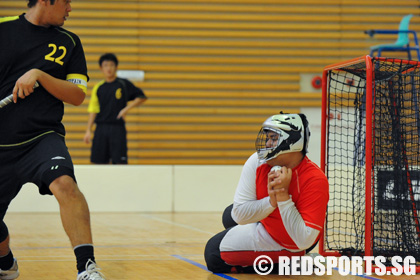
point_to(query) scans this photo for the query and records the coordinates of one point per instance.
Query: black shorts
(39, 162)
(109, 144)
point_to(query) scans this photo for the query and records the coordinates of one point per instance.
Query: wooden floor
(129, 246)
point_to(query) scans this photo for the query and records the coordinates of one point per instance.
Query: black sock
(83, 253)
(6, 262)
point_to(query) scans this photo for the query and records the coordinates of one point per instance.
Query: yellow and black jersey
(108, 99)
(54, 50)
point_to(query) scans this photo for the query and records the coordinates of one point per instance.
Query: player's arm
(303, 235)
(88, 133)
(61, 89)
(246, 207)
(136, 102)
(94, 108)
(304, 225)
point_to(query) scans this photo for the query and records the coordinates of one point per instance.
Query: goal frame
(369, 144)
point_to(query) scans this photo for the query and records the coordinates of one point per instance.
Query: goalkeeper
(275, 213)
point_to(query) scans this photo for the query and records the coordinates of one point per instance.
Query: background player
(108, 107)
(280, 213)
(34, 48)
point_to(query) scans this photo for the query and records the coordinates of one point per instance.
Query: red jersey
(309, 191)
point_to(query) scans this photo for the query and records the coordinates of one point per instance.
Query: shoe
(91, 272)
(11, 273)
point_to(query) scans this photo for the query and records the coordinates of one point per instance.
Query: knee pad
(227, 219)
(214, 261)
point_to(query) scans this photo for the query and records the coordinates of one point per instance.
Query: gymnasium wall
(155, 188)
(214, 70)
(144, 188)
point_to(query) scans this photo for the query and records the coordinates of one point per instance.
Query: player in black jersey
(35, 49)
(108, 107)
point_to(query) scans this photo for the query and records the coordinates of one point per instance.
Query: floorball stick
(9, 99)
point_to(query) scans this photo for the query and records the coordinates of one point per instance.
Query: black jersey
(54, 50)
(108, 99)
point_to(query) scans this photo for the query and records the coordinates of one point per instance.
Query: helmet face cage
(268, 142)
(281, 134)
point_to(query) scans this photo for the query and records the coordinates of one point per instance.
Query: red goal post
(371, 157)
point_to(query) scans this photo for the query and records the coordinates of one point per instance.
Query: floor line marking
(361, 275)
(203, 267)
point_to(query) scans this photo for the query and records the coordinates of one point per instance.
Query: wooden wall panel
(216, 69)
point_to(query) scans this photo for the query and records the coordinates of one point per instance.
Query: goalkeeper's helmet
(281, 134)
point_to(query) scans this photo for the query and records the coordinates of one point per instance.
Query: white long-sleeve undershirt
(248, 209)
(301, 234)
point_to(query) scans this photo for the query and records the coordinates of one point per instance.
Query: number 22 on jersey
(62, 51)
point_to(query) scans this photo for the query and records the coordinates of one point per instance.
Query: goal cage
(370, 154)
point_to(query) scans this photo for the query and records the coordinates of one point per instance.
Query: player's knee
(216, 264)
(214, 261)
(212, 256)
(227, 219)
(213, 264)
(65, 186)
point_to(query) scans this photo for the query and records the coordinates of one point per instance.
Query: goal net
(371, 156)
